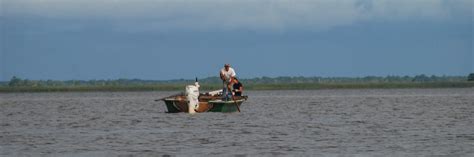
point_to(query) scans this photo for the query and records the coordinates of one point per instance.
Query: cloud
(274, 15)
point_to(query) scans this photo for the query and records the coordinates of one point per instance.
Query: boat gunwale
(217, 98)
(226, 102)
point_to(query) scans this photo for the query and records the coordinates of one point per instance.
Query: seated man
(237, 87)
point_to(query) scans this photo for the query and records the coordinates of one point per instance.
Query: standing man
(227, 75)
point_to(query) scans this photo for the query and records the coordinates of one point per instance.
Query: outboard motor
(192, 94)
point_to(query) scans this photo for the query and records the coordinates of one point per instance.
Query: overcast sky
(171, 39)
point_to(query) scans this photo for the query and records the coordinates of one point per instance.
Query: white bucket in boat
(192, 94)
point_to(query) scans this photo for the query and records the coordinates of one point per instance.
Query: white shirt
(228, 74)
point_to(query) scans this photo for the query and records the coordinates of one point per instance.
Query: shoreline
(269, 86)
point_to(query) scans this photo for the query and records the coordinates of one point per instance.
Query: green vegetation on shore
(263, 83)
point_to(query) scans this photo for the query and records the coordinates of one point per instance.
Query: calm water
(395, 122)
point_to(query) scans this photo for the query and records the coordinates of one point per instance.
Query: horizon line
(272, 77)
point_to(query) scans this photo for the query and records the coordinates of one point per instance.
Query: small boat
(207, 103)
(192, 101)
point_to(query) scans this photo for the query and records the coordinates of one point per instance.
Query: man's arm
(231, 81)
(222, 75)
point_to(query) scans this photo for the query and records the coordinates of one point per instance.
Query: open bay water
(358, 122)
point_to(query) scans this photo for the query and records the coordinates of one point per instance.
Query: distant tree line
(18, 82)
(367, 79)
(470, 77)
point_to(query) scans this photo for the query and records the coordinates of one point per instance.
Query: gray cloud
(276, 15)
